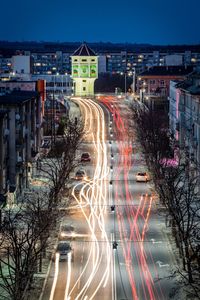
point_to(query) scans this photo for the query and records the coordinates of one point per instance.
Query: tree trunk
(188, 263)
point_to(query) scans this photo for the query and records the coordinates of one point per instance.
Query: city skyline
(149, 22)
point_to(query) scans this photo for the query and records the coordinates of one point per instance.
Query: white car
(142, 177)
(67, 232)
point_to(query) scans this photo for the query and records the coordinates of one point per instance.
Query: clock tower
(84, 70)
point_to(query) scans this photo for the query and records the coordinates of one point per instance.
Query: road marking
(156, 242)
(161, 265)
(125, 264)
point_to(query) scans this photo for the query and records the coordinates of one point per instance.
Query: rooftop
(17, 97)
(84, 50)
(191, 85)
(168, 71)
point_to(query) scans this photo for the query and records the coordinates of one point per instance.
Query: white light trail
(55, 276)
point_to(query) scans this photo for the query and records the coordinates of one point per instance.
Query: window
(84, 59)
(152, 81)
(162, 82)
(84, 88)
(84, 80)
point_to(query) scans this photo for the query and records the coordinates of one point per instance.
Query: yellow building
(84, 70)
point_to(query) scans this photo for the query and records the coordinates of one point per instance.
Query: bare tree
(19, 252)
(25, 232)
(177, 189)
(60, 161)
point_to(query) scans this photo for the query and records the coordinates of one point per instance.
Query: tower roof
(84, 50)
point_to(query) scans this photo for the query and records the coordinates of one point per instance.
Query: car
(64, 248)
(142, 177)
(80, 175)
(66, 232)
(85, 157)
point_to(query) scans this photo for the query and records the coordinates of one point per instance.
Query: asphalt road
(140, 267)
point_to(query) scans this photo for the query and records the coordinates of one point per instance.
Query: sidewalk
(74, 110)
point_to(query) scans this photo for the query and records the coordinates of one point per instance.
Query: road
(140, 265)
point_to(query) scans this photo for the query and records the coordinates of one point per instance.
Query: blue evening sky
(141, 21)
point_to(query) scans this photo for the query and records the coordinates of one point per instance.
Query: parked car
(66, 232)
(64, 248)
(85, 157)
(142, 177)
(80, 175)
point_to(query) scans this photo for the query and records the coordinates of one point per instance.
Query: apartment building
(184, 115)
(56, 83)
(4, 132)
(156, 80)
(112, 58)
(21, 138)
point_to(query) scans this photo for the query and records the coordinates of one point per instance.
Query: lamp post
(125, 83)
(133, 80)
(124, 73)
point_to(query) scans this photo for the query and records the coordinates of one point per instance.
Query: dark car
(63, 249)
(85, 157)
(80, 175)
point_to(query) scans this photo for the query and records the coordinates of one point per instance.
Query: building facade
(21, 138)
(4, 132)
(184, 115)
(113, 58)
(84, 70)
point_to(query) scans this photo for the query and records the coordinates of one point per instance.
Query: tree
(60, 161)
(177, 189)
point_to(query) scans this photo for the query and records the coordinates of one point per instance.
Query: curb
(45, 281)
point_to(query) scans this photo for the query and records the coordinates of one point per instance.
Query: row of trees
(177, 186)
(28, 228)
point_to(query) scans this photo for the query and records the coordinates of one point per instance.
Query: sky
(132, 21)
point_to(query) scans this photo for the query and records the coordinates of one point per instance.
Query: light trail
(57, 256)
(69, 267)
(93, 196)
(137, 217)
(92, 201)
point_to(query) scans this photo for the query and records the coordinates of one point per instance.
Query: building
(84, 70)
(156, 80)
(173, 60)
(21, 138)
(184, 115)
(4, 132)
(21, 65)
(57, 84)
(153, 84)
(53, 58)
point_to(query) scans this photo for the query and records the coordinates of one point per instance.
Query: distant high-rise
(84, 70)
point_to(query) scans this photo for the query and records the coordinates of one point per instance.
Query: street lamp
(124, 73)
(133, 81)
